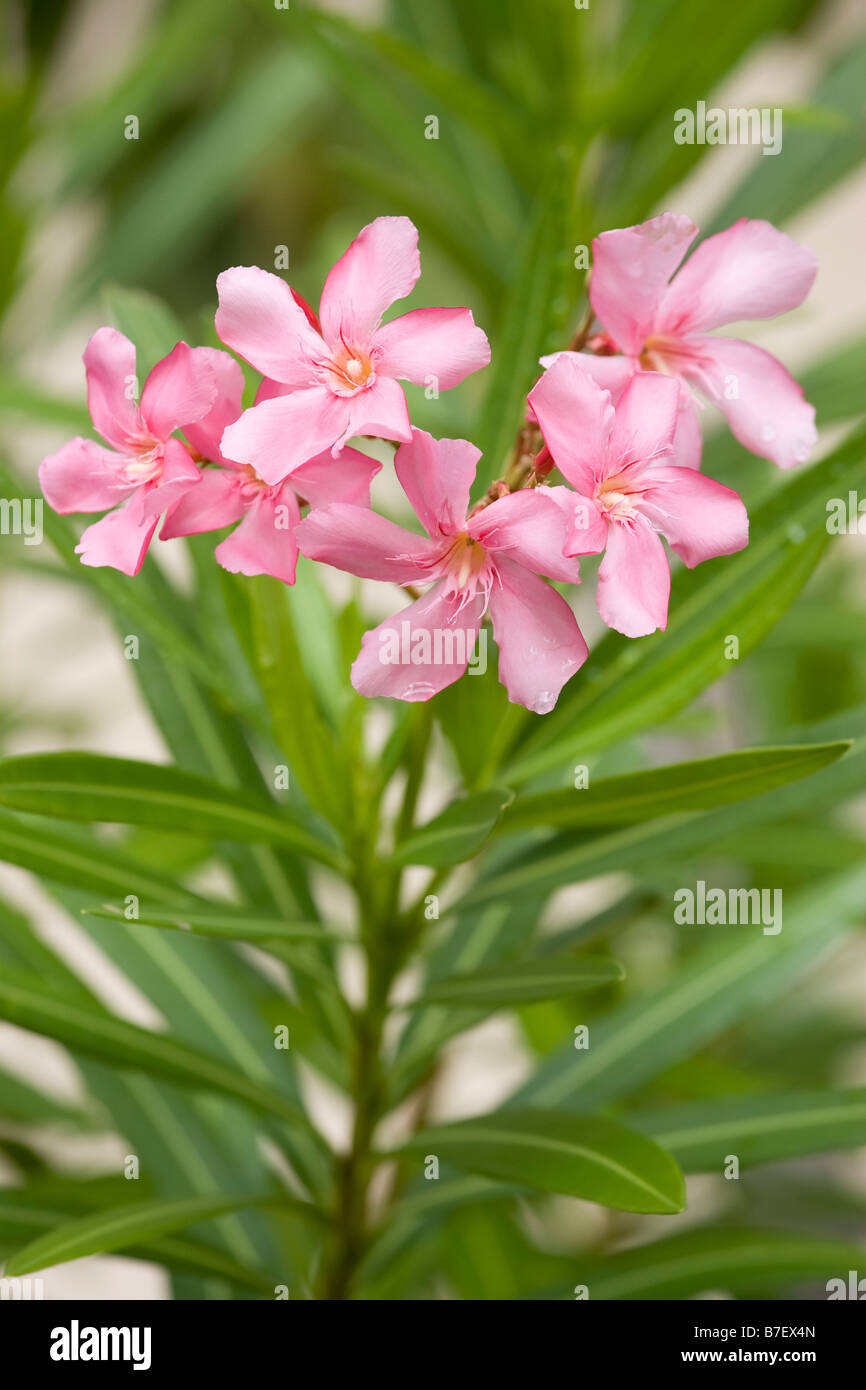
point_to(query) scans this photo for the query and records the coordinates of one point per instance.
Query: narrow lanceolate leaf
(661, 791)
(758, 1128)
(82, 862)
(720, 982)
(229, 926)
(104, 1231)
(92, 787)
(523, 981)
(540, 275)
(23, 1104)
(456, 834)
(119, 1044)
(738, 1261)
(554, 1151)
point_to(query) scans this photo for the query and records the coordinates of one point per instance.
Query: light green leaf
(757, 1128)
(82, 861)
(119, 1044)
(455, 835)
(27, 1212)
(301, 730)
(146, 321)
(582, 1156)
(720, 982)
(523, 981)
(93, 787)
(24, 1104)
(228, 926)
(661, 791)
(105, 1231)
(739, 1261)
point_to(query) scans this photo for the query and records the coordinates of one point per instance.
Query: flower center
(251, 485)
(349, 370)
(615, 494)
(144, 466)
(465, 565)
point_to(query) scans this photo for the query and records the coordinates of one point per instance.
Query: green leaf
(527, 324)
(739, 1261)
(629, 685)
(757, 1128)
(24, 1104)
(93, 787)
(554, 1151)
(119, 1044)
(720, 982)
(661, 791)
(82, 861)
(523, 981)
(27, 1212)
(104, 1231)
(228, 926)
(272, 100)
(302, 733)
(455, 835)
(146, 321)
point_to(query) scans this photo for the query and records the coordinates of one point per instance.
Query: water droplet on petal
(543, 702)
(418, 690)
(768, 433)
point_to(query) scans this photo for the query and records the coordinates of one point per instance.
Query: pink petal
(284, 432)
(436, 475)
(611, 373)
(180, 389)
(379, 411)
(768, 413)
(264, 542)
(444, 344)
(540, 644)
(109, 363)
(82, 477)
(121, 538)
(750, 271)
(634, 579)
(631, 268)
(587, 526)
(530, 528)
(699, 517)
(444, 626)
(576, 418)
(179, 474)
(327, 479)
(215, 502)
(260, 319)
(688, 443)
(381, 265)
(362, 542)
(206, 433)
(268, 390)
(645, 421)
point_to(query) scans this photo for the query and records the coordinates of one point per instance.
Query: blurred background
(258, 127)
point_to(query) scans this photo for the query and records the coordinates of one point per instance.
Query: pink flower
(749, 271)
(145, 469)
(619, 463)
(489, 559)
(264, 542)
(339, 378)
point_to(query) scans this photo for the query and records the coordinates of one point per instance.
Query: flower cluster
(616, 415)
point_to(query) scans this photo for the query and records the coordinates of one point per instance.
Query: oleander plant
(501, 884)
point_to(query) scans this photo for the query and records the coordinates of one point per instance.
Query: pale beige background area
(63, 670)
